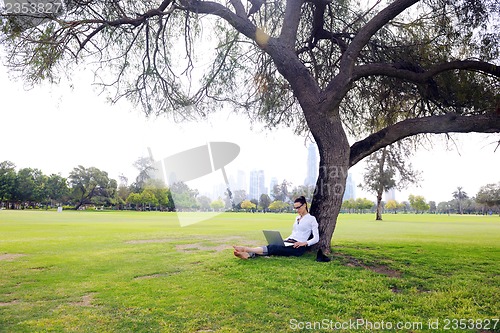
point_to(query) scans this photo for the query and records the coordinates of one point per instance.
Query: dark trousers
(287, 251)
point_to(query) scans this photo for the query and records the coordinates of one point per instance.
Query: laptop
(273, 237)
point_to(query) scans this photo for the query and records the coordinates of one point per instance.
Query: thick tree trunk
(333, 170)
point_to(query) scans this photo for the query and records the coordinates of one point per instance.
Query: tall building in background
(312, 165)
(390, 195)
(274, 181)
(257, 184)
(218, 191)
(241, 181)
(350, 188)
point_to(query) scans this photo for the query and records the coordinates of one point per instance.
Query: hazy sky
(55, 128)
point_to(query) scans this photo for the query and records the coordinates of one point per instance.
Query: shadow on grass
(350, 261)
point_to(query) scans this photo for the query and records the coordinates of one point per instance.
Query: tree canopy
(91, 185)
(330, 68)
(489, 195)
(418, 203)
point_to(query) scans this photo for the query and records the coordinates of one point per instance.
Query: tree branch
(338, 87)
(419, 75)
(238, 7)
(242, 24)
(318, 31)
(137, 21)
(371, 28)
(291, 22)
(484, 123)
(295, 73)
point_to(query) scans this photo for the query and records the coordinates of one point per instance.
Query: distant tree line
(92, 188)
(486, 201)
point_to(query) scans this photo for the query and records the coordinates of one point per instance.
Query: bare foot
(239, 248)
(241, 255)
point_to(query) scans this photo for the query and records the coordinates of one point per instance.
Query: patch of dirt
(147, 241)
(9, 303)
(85, 301)
(379, 269)
(201, 247)
(10, 256)
(224, 243)
(229, 239)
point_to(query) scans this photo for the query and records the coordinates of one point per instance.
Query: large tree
(418, 203)
(91, 186)
(489, 195)
(317, 65)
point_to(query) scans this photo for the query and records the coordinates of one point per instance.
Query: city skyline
(257, 180)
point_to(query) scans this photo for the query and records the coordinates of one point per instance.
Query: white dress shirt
(303, 227)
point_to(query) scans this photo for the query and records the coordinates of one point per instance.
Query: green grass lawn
(142, 272)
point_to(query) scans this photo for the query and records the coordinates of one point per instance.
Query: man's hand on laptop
(299, 244)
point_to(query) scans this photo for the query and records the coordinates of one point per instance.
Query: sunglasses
(298, 206)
